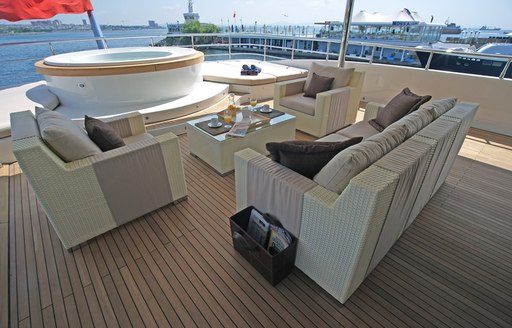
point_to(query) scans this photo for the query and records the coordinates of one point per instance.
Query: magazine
(279, 239)
(258, 227)
(240, 129)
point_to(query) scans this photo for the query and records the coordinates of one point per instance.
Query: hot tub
(122, 77)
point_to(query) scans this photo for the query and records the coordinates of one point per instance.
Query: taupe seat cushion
(299, 103)
(359, 129)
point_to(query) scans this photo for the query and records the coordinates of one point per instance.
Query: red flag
(15, 10)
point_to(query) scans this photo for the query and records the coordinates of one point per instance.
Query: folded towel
(255, 68)
(248, 72)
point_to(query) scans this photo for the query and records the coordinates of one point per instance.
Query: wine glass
(253, 102)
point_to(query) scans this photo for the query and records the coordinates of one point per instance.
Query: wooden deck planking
(176, 266)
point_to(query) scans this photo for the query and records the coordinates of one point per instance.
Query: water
(17, 62)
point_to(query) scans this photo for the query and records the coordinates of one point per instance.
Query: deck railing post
(429, 60)
(265, 50)
(229, 46)
(328, 50)
(52, 49)
(192, 41)
(373, 53)
(505, 69)
(293, 48)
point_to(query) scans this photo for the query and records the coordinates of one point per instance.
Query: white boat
(176, 266)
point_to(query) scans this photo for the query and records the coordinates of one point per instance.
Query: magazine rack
(273, 267)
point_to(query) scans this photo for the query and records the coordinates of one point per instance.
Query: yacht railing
(269, 47)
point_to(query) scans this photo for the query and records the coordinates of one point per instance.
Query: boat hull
(464, 64)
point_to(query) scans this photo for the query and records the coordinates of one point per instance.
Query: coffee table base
(220, 154)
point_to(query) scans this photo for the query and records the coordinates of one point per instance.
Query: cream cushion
(359, 129)
(67, 140)
(414, 122)
(44, 97)
(337, 174)
(341, 75)
(299, 103)
(441, 106)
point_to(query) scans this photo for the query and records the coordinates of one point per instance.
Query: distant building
(403, 25)
(191, 16)
(41, 23)
(84, 22)
(152, 24)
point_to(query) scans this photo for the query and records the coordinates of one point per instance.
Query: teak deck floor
(177, 267)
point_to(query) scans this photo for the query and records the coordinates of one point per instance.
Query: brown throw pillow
(307, 157)
(103, 135)
(402, 104)
(318, 84)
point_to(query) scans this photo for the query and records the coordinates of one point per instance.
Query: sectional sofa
(351, 213)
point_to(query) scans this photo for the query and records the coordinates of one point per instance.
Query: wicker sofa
(89, 196)
(344, 234)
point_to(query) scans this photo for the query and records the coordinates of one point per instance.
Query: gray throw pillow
(103, 135)
(307, 157)
(318, 84)
(67, 140)
(403, 103)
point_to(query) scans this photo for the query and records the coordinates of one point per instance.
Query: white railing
(268, 47)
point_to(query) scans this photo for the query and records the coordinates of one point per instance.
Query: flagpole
(344, 35)
(96, 30)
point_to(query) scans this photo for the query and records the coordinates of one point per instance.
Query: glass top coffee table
(218, 150)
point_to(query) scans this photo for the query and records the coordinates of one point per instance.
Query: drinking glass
(253, 102)
(228, 118)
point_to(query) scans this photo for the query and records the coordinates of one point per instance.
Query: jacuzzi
(122, 77)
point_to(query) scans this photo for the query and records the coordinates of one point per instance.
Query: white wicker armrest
(333, 107)
(242, 159)
(170, 145)
(128, 124)
(287, 88)
(372, 109)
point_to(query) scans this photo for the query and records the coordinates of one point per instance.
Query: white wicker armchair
(333, 109)
(87, 197)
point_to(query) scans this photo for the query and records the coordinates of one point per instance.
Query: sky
(467, 13)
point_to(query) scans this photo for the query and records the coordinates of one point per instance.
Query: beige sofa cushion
(415, 121)
(337, 174)
(299, 103)
(67, 140)
(359, 129)
(439, 107)
(342, 76)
